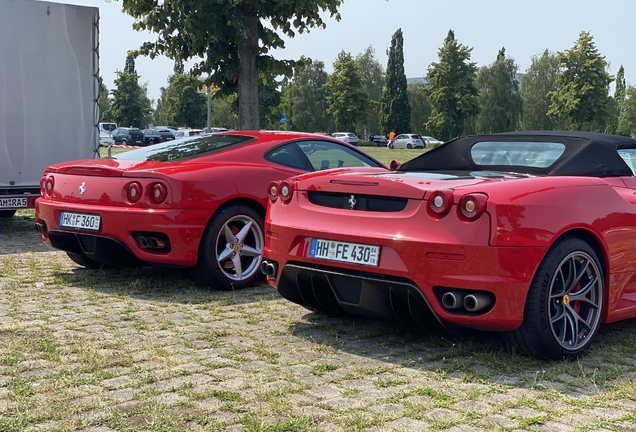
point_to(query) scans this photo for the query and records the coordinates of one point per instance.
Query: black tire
(219, 256)
(564, 306)
(84, 261)
(6, 214)
(409, 146)
(124, 142)
(151, 141)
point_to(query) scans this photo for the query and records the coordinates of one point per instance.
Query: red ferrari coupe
(197, 202)
(532, 234)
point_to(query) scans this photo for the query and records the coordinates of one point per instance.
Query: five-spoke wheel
(231, 249)
(565, 303)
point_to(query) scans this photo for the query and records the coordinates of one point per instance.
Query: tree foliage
(453, 94)
(183, 105)
(231, 37)
(104, 101)
(627, 118)
(538, 81)
(420, 108)
(395, 111)
(583, 85)
(499, 96)
(305, 96)
(345, 93)
(373, 74)
(130, 105)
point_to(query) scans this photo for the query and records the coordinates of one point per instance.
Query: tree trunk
(248, 79)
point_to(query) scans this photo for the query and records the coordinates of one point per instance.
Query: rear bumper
(116, 242)
(410, 280)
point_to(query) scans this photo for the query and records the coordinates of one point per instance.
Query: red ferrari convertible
(532, 234)
(197, 202)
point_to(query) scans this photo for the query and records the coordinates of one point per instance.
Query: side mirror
(394, 165)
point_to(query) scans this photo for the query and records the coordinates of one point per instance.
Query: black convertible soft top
(586, 154)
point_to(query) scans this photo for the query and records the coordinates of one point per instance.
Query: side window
(629, 156)
(325, 155)
(286, 155)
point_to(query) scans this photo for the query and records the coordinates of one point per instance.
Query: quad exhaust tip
(470, 302)
(269, 268)
(153, 243)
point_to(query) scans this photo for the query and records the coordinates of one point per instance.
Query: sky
(525, 28)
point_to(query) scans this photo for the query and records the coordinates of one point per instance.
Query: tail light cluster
(469, 207)
(156, 192)
(283, 190)
(47, 183)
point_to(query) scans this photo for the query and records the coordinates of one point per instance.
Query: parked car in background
(107, 127)
(347, 137)
(166, 134)
(105, 139)
(430, 140)
(197, 202)
(128, 136)
(182, 133)
(214, 129)
(152, 136)
(408, 141)
(379, 140)
(532, 234)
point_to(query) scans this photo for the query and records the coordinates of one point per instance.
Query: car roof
(586, 154)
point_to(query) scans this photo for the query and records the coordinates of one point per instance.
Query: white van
(107, 127)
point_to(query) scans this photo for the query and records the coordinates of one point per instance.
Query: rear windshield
(521, 153)
(185, 149)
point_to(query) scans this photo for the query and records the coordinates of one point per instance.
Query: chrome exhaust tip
(143, 242)
(477, 302)
(155, 243)
(453, 300)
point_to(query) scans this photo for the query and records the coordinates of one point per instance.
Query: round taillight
(158, 193)
(272, 191)
(285, 192)
(441, 201)
(133, 191)
(472, 206)
(49, 184)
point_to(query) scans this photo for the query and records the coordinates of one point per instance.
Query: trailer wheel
(6, 214)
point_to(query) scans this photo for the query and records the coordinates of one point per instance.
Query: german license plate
(13, 202)
(354, 253)
(80, 221)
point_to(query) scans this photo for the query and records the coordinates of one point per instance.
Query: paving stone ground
(145, 349)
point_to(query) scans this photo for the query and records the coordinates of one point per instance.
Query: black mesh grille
(357, 202)
(348, 289)
(87, 242)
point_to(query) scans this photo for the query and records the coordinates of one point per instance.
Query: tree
(183, 105)
(538, 81)
(345, 94)
(269, 97)
(373, 75)
(453, 94)
(305, 96)
(627, 118)
(499, 97)
(615, 104)
(583, 87)
(104, 101)
(231, 37)
(420, 107)
(130, 105)
(395, 111)
(223, 114)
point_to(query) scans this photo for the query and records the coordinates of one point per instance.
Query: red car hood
(412, 185)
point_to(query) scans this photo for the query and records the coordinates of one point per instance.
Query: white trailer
(49, 91)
